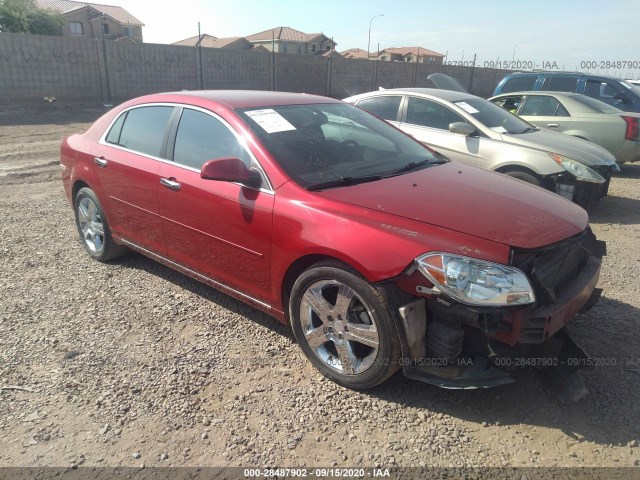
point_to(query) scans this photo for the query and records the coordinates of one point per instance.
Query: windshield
(494, 117)
(335, 144)
(593, 105)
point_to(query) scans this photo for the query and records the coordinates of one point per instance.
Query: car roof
(564, 74)
(237, 98)
(449, 95)
(540, 92)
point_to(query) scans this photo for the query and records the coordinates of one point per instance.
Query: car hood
(469, 200)
(578, 149)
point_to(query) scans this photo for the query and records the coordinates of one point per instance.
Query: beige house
(289, 40)
(357, 53)
(409, 54)
(209, 41)
(92, 20)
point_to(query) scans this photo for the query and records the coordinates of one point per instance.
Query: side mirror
(230, 170)
(461, 128)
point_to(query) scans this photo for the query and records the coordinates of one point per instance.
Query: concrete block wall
(33, 66)
(74, 69)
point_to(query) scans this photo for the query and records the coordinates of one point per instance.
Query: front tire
(344, 326)
(93, 227)
(525, 177)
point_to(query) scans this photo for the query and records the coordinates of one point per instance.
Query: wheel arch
(299, 265)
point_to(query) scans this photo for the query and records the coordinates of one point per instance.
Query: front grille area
(553, 268)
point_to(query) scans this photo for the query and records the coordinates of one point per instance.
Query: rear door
(220, 229)
(545, 111)
(384, 106)
(126, 165)
(428, 121)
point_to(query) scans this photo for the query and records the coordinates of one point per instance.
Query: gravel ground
(132, 364)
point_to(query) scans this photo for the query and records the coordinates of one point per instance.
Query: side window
(430, 114)
(560, 84)
(143, 129)
(385, 106)
(201, 137)
(114, 134)
(543, 106)
(510, 103)
(517, 84)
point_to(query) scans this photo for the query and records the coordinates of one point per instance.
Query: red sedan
(380, 253)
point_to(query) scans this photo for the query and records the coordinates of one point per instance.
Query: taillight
(632, 127)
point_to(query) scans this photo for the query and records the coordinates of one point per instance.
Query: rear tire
(93, 228)
(344, 326)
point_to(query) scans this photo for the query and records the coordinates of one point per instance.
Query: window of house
(299, 48)
(430, 114)
(201, 137)
(76, 28)
(128, 31)
(142, 130)
(328, 48)
(543, 106)
(385, 106)
(284, 47)
(313, 47)
(105, 29)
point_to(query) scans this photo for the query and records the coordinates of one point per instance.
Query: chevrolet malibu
(379, 253)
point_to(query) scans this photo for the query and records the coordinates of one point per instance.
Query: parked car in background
(332, 220)
(614, 91)
(579, 116)
(472, 130)
(634, 82)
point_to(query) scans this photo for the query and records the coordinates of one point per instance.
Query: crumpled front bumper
(535, 336)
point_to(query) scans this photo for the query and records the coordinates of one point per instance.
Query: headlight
(579, 170)
(476, 282)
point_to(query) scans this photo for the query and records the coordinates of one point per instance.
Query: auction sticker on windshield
(466, 107)
(270, 120)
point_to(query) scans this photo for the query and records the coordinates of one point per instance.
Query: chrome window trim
(270, 190)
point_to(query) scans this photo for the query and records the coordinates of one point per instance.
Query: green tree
(23, 16)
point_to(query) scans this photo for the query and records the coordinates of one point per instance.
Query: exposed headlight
(579, 170)
(476, 282)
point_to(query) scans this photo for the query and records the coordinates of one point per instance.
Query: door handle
(170, 184)
(553, 125)
(101, 161)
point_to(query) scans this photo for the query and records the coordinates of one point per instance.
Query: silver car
(579, 116)
(474, 131)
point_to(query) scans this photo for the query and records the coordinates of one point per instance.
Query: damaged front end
(583, 193)
(475, 340)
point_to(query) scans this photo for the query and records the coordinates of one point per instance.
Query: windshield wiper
(344, 182)
(413, 165)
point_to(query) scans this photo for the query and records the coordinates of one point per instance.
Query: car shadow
(629, 170)
(140, 262)
(608, 415)
(612, 209)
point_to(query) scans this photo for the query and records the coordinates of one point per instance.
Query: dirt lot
(131, 363)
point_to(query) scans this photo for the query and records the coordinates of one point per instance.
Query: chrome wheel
(339, 327)
(91, 226)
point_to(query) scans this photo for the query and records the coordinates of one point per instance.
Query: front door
(219, 229)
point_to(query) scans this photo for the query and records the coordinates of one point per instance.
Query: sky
(562, 34)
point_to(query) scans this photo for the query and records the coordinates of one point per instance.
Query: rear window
(517, 84)
(593, 105)
(143, 129)
(560, 84)
(385, 106)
